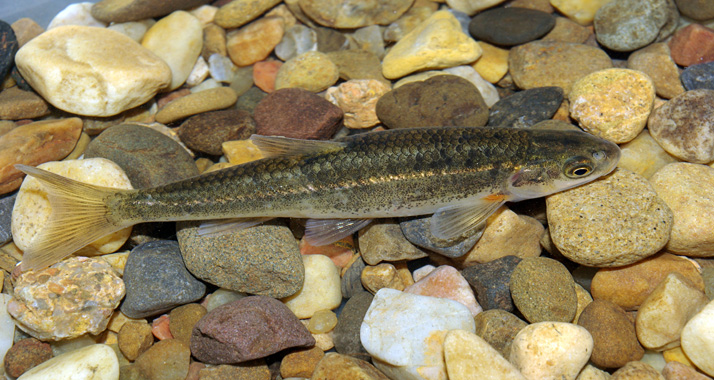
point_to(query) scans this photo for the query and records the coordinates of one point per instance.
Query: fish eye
(577, 167)
(599, 155)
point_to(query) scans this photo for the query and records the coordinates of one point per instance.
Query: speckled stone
(357, 64)
(615, 341)
(692, 44)
(637, 370)
(619, 220)
(510, 26)
(696, 9)
(203, 101)
(157, 280)
(6, 205)
(237, 13)
(25, 354)
(498, 328)
(297, 113)
(117, 11)
(312, 71)
(380, 276)
(384, 241)
(543, 290)
(16, 104)
(676, 370)
(684, 126)
(183, 318)
(206, 132)
(346, 332)
(656, 61)
(526, 108)
(253, 370)
(167, 359)
(418, 231)
(134, 338)
(627, 25)
(468, 356)
(491, 281)
(643, 155)
(337, 366)
(566, 30)
(699, 76)
(353, 13)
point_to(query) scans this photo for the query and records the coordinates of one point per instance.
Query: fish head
(558, 160)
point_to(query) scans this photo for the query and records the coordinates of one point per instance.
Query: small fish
(459, 174)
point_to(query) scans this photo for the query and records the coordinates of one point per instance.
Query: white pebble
(321, 289)
(698, 339)
(76, 14)
(95, 362)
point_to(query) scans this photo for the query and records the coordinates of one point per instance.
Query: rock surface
(119, 11)
(614, 338)
(297, 113)
(94, 362)
(543, 290)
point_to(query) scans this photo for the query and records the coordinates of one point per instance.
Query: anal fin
(319, 232)
(453, 221)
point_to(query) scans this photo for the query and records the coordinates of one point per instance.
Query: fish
(461, 175)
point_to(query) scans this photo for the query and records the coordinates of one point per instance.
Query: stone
(696, 9)
(94, 362)
(381, 276)
(157, 280)
(320, 290)
(684, 125)
(696, 339)
(297, 113)
(238, 13)
(692, 45)
(613, 103)
(369, 39)
(487, 90)
(133, 29)
(238, 152)
(446, 282)
(498, 328)
(178, 40)
(700, 76)
(134, 338)
(510, 26)
(677, 370)
(198, 74)
(358, 100)
(341, 252)
(628, 25)
(357, 64)
(471, 7)
(249, 328)
(214, 42)
(655, 60)
(322, 322)
(405, 24)
(167, 359)
(582, 12)
(16, 104)
(526, 108)
(347, 330)
(384, 241)
(34, 144)
(353, 13)
(196, 103)
(643, 155)
(491, 281)
(183, 318)
(468, 356)
(300, 363)
(255, 370)
(338, 366)
(438, 42)
(637, 370)
(590, 372)
(264, 74)
(551, 350)
(297, 39)
(255, 41)
(629, 286)
(619, 220)
(76, 14)
(312, 71)
(123, 77)
(148, 157)
(613, 333)
(206, 132)
(493, 63)
(543, 290)
(444, 100)
(566, 30)
(6, 205)
(263, 260)
(25, 354)
(117, 11)
(584, 299)
(418, 231)
(25, 29)
(550, 63)
(351, 282)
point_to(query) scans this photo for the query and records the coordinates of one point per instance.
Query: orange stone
(264, 74)
(255, 41)
(692, 45)
(340, 252)
(160, 328)
(446, 282)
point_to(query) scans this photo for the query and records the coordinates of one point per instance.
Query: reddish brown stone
(692, 44)
(297, 113)
(207, 131)
(25, 354)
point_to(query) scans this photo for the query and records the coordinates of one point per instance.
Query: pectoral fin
(223, 226)
(319, 232)
(452, 221)
(274, 146)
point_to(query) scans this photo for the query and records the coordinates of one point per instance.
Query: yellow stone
(493, 64)
(203, 101)
(375, 277)
(584, 299)
(117, 260)
(644, 156)
(255, 41)
(301, 363)
(239, 152)
(322, 321)
(677, 355)
(438, 42)
(468, 356)
(580, 11)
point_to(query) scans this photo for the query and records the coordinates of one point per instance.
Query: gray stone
(346, 333)
(351, 282)
(526, 108)
(6, 205)
(418, 231)
(627, 25)
(510, 26)
(699, 76)
(491, 282)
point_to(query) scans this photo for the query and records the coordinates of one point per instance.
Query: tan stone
(679, 371)
(255, 41)
(697, 341)
(380, 276)
(590, 372)
(134, 338)
(656, 61)
(358, 99)
(643, 155)
(493, 63)
(312, 71)
(384, 241)
(584, 299)
(203, 101)
(240, 12)
(471, 7)
(468, 356)
(301, 363)
(26, 29)
(17, 104)
(214, 41)
(239, 152)
(676, 354)
(566, 30)
(337, 366)
(580, 11)
(637, 371)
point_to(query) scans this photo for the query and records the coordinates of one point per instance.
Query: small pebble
(491, 281)
(543, 290)
(487, 90)
(95, 362)
(526, 108)
(339, 366)
(613, 333)
(206, 132)
(264, 74)
(203, 101)
(656, 61)
(369, 39)
(25, 29)
(167, 359)
(580, 11)
(223, 70)
(254, 42)
(637, 370)
(357, 64)
(134, 338)
(323, 321)
(198, 74)
(312, 71)
(566, 30)
(297, 39)
(183, 318)
(353, 14)
(238, 13)
(493, 63)
(25, 354)
(340, 252)
(384, 241)
(418, 231)
(696, 339)
(347, 331)
(238, 152)
(499, 327)
(256, 370)
(695, 9)
(300, 363)
(381, 276)
(122, 11)
(676, 370)
(358, 100)
(405, 24)
(321, 289)
(510, 26)
(76, 14)
(643, 155)
(351, 282)
(470, 7)
(297, 113)
(700, 76)
(133, 29)
(628, 25)
(692, 45)
(16, 104)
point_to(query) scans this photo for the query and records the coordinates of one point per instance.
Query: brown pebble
(167, 359)
(637, 371)
(203, 101)
(255, 370)
(297, 113)
(183, 318)
(25, 354)
(135, 338)
(301, 363)
(615, 341)
(498, 328)
(337, 366)
(17, 104)
(543, 290)
(206, 132)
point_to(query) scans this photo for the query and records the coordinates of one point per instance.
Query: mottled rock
(337, 366)
(353, 13)
(25, 354)
(696, 9)
(134, 338)
(510, 26)
(312, 71)
(300, 363)
(446, 282)
(493, 63)
(566, 30)
(253, 370)
(195, 103)
(297, 113)
(619, 220)
(700, 76)
(579, 11)
(468, 356)
(613, 333)
(238, 13)
(543, 290)
(637, 370)
(526, 108)
(381, 276)
(346, 332)
(384, 241)
(206, 132)
(656, 61)
(357, 64)
(249, 328)
(93, 362)
(692, 45)
(491, 281)
(358, 100)
(628, 25)
(167, 359)
(643, 155)
(418, 231)
(499, 327)
(320, 289)
(255, 41)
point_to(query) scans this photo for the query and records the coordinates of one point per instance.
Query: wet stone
(615, 341)
(627, 25)
(238, 13)
(526, 108)
(351, 282)
(337, 366)
(167, 359)
(133, 10)
(357, 64)
(637, 370)
(329, 40)
(25, 354)
(206, 132)
(566, 30)
(347, 331)
(656, 61)
(498, 328)
(384, 241)
(157, 280)
(311, 70)
(491, 281)
(692, 44)
(183, 318)
(543, 290)
(297, 113)
(16, 104)
(8, 48)
(699, 76)
(6, 204)
(418, 232)
(250, 99)
(510, 26)
(353, 13)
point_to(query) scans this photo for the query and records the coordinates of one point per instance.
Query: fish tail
(80, 215)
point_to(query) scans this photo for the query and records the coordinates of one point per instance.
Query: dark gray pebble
(6, 204)
(418, 231)
(349, 322)
(8, 48)
(510, 26)
(526, 108)
(351, 282)
(699, 76)
(491, 282)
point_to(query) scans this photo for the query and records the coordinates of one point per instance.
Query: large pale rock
(468, 356)
(178, 40)
(91, 71)
(95, 362)
(321, 289)
(698, 341)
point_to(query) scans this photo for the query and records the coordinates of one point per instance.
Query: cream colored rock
(321, 289)
(590, 372)
(32, 208)
(471, 7)
(95, 362)
(203, 101)
(580, 11)
(311, 70)
(643, 155)
(91, 71)
(698, 341)
(438, 42)
(493, 63)
(468, 356)
(178, 40)
(358, 99)
(76, 14)
(551, 350)
(133, 29)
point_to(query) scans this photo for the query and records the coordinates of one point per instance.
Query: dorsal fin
(274, 146)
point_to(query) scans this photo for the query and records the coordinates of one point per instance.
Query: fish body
(459, 174)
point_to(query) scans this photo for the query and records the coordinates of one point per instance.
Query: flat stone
(8, 48)
(566, 30)
(628, 25)
(297, 113)
(124, 76)
(526, 108)
(347, 330)
(418, 231)
(320, 289)
(692, 45)
(491, 281)
(238, 13)
(94, 362)
(254, 42)
(510, 26)
(25, 354)
(206, 132)
(700, 76)
(492, 66)
(656, 61)
(696, 9)
(351, 282)
(167, 359)
(196, 103)
(613, 333)
(384, 241)
(353, 13)
(357, 64)
(499, 327)
(337, 366)
(312, 70)
(543, 290)
(183, 318)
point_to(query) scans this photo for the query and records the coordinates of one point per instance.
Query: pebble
(383, 240)
(692, 45)
(76, 14)
(25, 29)
(468, 356)
(238, 152)
(613, 103)
(551, 350)
(590, 372)
(34, 144)
(566, 30)
(404, 332)
(676, 370)
(637, 370)
(369, 39)
(347, 330)
(353, 14)
(628, 25)
(543, 290)
(214, 42)
(301, 363)
(471, 7)
(297, 113)
(491, 281)
(322, 322)
(72, 50)
(166, 360)
(629, 286)
(357, 64)
(700, 76)
(198, 74)
(257, 370)
(25, 354)
(405, 24)
(183, 318)
(584, 299)
(643, 155)
(438, 42)
(613, 333)
(487, 90)
(358, 100)
(550, 63)
(254, 42)
(249, 328)
(446, 282)
(238, 13)
(696, 9)
(297, 39)
(196, 103)
(321, 289)
(351, 282)
(157, 280)
(492, 66)
(95, 362)
(6, 205)
(498, 328)
(264, 74)
(696, 339)
(684, 125)
(417, 230)
(134, 338)
(264, 259)
(16, 104)
(381, 276)
(312, 71)
(445, 100)
(510, 26)
(148, 157)
(338, 366)
(133, 29)
(581, 11)
(8, 48)
(666, 310)
(656, 61)
(117, 11)
(613, 221)
(206, 132)
(526, 108)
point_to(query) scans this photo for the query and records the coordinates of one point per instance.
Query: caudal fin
(79, 217)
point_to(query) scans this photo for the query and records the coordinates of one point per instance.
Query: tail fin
(79, 217)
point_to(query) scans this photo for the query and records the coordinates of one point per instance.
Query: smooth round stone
(178, 40)
(656, 61)
(323, 321)
(471, 7)
(699, 76)
(124, 76)
(296, 113)
(254, 42)
(468, 356)
(549, 63)
(346, 332)
(644, 156)
(418, 231)
(580, 11)
(491, 281)
(446, 282)
(223, 70)
(697, 340)
(438, 42)
(613, 333)
(612, 103)
(352, 14)
(543, 290)
(296, 40)
(118, 11)
(510, 26)
(134, 338)
(686, 189)
(384, 241)
(551, 350)
(595, 224)
(196, 103)
(312, 71)
(238, 13)
(487, 90)
(95, 362)
(696, 9)
(628, 25)
(684, 126)
(76, 14)
(498, 328)
(321, 289)
(526, 108)
(358, 100)
(566, 30)
(206, 132)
